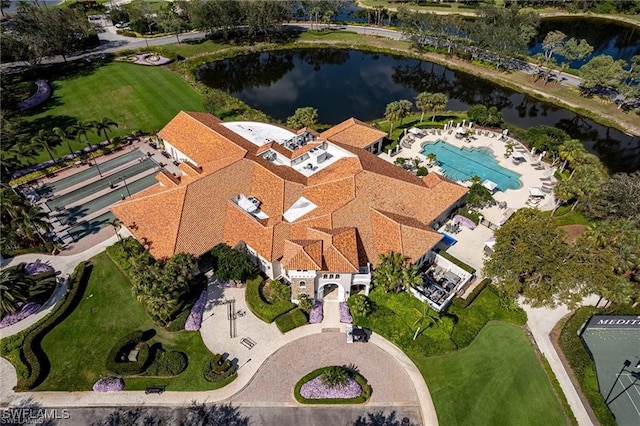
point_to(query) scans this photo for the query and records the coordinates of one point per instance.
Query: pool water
(462, 164)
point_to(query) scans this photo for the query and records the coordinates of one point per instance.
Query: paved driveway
(274, 382)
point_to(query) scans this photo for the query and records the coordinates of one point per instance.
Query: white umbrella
(490, 185)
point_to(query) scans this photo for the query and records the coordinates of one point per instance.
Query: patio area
(536, 178)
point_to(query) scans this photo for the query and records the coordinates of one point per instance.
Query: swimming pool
(462, 164)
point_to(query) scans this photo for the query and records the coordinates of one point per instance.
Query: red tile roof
(353, 132)
(365, 205)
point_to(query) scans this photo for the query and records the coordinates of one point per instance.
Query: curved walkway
(383, 364)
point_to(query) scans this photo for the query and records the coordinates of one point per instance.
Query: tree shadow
(27, 411)
(379, 418)
(203, 415)
(135, 416)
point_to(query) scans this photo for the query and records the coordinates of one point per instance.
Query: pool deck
(470, 245)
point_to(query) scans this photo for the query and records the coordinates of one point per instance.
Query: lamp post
(94, 159)
(125, 185)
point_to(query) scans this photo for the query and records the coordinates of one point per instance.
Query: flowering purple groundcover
(27, 309)
(109, 384)
(316, 315)
(36, 268)
(194, 320)
(315, 389)
(345, 315)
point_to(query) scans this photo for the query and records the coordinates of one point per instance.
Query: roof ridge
(182, 204)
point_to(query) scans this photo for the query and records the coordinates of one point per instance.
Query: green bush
(476, 291)
(179, 321)
(267, 312)
(581, 363)
(32, 354)
(290, 320)
(218, 370)
(168, 363)
(125, 253)
(456, 261)
(117, 362)
(364, 396)
(422, 171)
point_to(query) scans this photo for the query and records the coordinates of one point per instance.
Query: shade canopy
(415, 131)
(536, 192)
(518, 156)
(490, 185)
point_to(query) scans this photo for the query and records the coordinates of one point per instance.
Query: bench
(154, 389)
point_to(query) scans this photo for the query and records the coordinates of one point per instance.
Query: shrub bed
(267, 312)
(219, 369)
(317, 314)
(364, 396)
(194, 321)
(178, 324)
(117, 360)
(290, 320)
(168, 363)
(476, 291)
(31, 353)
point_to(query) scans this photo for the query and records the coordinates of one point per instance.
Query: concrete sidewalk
(541, 322)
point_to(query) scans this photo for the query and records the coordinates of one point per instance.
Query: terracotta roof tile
(353, 132)
(365, 206)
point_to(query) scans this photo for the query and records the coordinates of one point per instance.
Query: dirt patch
(572, 232)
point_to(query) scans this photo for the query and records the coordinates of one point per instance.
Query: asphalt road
(219, 415)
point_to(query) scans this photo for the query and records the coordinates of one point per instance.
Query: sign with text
(614, 321)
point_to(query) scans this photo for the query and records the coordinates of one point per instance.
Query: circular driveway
(276, 378)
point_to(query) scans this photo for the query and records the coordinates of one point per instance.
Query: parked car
(122, 24)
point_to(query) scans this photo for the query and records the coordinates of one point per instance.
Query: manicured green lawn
(497, 380)
(134, 96)
(77, 348)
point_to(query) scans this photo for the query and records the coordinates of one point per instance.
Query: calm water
(463, 163)
(351, 83)
(607, 38)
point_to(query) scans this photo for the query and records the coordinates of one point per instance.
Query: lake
(344, 83)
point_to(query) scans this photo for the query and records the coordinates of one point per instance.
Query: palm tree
(425, 315)
(116, 224)
(81, 128)
(423, 102)
(63, 136)
(392, 113)
(103, 126)
(432, 158)
(394, 273)
(14, 289)
(44, 139)
(404, 109)
(32, 222)
(438, 103)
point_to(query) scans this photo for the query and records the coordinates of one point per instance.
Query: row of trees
(18, 148)
(22, 224)
(499, 35)
(37, 32)
(425, 102)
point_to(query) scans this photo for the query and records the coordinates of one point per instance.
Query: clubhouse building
(314, 209)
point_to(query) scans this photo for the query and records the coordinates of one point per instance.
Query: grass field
(136, 97)
(497, 380)
(77, 348)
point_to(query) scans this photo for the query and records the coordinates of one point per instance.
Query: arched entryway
(331, 291)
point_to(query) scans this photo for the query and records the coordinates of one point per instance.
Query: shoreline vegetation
(597, 109)
(547, 12)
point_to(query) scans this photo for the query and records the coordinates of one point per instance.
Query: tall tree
(303, 117)
(427, 101)
(63, 136)
(103, 126)
(602, 71)
(44, 140)
(532, 260)
(574, 50)
(553, 41)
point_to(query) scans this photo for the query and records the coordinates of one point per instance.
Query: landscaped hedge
(218, 370)
(125, 253)
(364, 396)
(117, 365)
(168, 363)
(456, 261)
(582, 365)
(476, 291)
(178, 323)
(32, 354)
(267, 312)
(290, 320)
